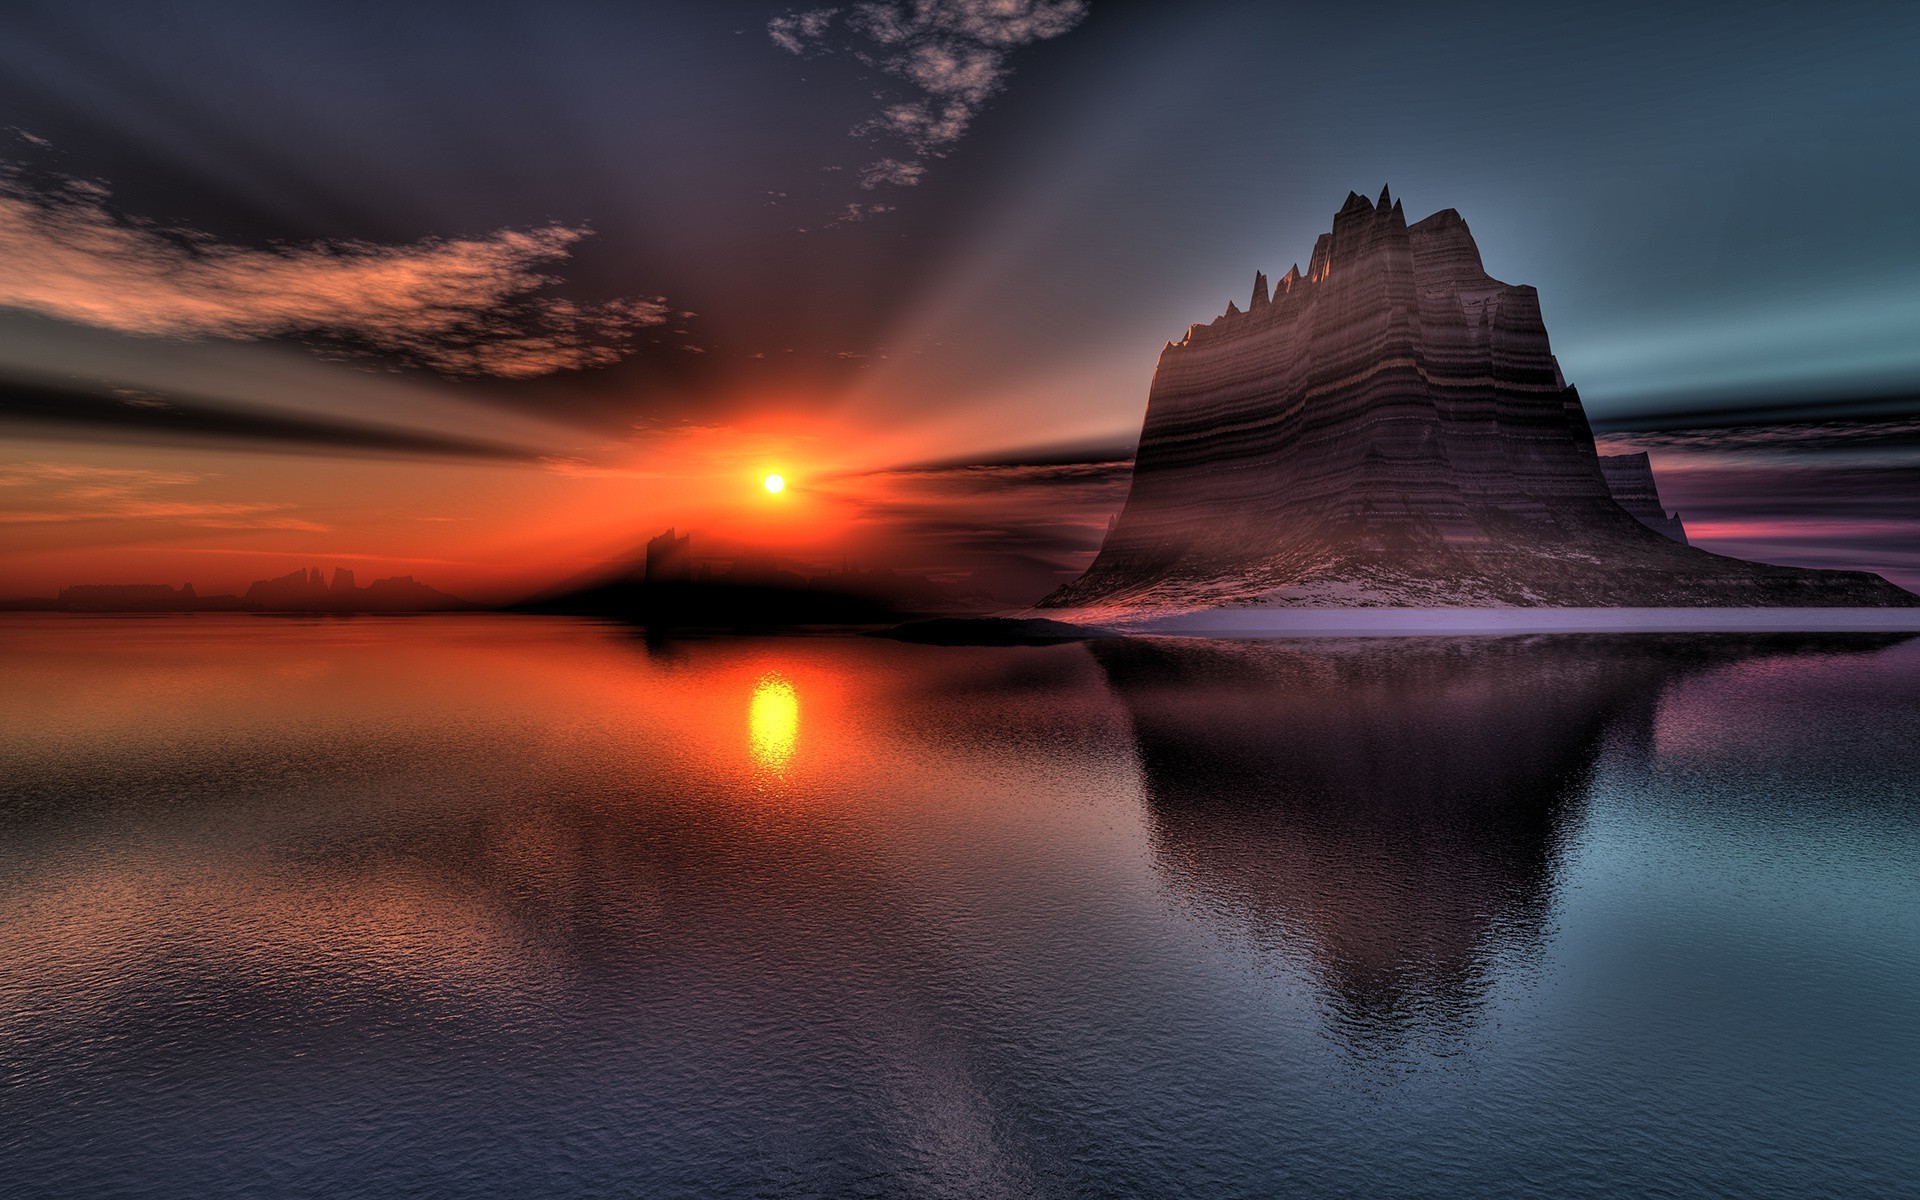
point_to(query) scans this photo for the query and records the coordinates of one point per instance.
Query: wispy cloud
(39, 493)
(459, 306)
(952, 55)
(891, 172)
(795, 31)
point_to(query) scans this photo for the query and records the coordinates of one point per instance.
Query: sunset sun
(774, 484)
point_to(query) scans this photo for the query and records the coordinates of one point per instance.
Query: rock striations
(1630, 480)
(1391, 428)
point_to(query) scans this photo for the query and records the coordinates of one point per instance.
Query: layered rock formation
(1630, 480)
(1391, 428)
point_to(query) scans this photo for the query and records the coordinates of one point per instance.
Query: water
(514, 907)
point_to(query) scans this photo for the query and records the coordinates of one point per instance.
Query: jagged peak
(1322, 252)
(1384, 197)
(1355, 203)
(1260, 298)
(1445, 217)
(1233, 310)
(1399, 212)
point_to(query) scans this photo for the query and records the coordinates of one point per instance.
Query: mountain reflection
(1394, 811)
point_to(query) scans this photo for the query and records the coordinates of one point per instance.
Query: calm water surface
(513, 907)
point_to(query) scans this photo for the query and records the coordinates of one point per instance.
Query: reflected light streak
(773, 723)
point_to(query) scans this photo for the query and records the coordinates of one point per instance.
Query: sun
(774, 484)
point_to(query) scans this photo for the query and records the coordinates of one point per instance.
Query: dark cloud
(1839, 492)
(1838, 495)
(38, 410)
(1841, 410)
(1790, 438)
(1069, 454)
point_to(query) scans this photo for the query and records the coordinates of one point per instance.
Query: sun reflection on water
(773, 722)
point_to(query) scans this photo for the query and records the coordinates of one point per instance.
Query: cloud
(794, 31)
(859, 212)
(29, 409)
(893, 172)
(920, 124)
(1853, 436)
(70, 492)
(459, 306)
(953, 53)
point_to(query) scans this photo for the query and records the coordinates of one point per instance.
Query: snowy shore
(1450, 622)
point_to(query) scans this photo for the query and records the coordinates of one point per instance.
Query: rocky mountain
(1392, 428)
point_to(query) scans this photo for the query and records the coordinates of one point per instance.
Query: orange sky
(85, 512)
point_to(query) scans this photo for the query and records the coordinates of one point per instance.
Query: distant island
(671, 588)
(305, 590)
(1391, 429)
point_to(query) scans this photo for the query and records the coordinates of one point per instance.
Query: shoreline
(1022, 627)
(1495, 622)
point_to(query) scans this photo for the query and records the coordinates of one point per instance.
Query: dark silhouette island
(1390, 429)
(672, 589)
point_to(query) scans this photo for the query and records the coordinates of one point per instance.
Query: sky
(490, 294)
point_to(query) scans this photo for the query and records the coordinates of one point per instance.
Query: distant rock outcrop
(1630, 480)
(125, 597)
(670, 558)
(1392, 428)
(299, 591)
(308, 591)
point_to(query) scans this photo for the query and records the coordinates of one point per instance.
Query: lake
(518, 907)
